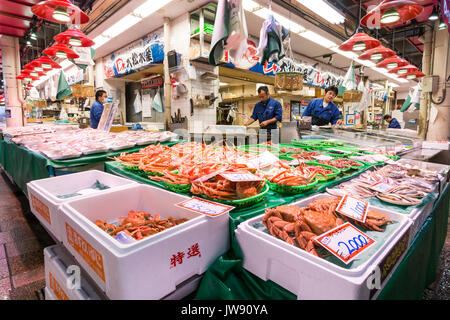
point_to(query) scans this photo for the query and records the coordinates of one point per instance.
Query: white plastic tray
(62, 273)
(145, 269)
(311, 277)
(44, 201)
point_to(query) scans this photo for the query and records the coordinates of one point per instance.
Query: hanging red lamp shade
(74, 37)
(412, 75)
(377, 54)
(33, 73)
(359, 42)
(404, 70)
(392, 62)
(60, 11)
(391, 12)
(48, 63)
(61, 51)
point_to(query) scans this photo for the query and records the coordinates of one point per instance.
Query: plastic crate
(45, 203)
(311, 277)
(150, 268)
(60, 266)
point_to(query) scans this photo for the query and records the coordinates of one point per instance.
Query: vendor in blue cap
(97, 108)
(393, 123)
(268, 112)
(323, 111)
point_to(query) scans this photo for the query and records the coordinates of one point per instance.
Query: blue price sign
(353, 208)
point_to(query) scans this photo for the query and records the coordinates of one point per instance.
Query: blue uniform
(272, 109)
(394, 124)
(315, 109)
(96, 114)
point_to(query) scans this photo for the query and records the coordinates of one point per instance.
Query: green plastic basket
(268, 148)
(285, 157)
(363, 164)
(289, 189)
(327, 176)
(333, 143)
(395, 158)
(341, 170)
(307, 142)
(241, 202)
(178, 188)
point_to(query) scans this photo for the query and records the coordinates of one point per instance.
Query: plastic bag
(137, 102)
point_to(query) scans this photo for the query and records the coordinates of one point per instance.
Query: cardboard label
(382, 187)
(353, 208)
(241, 177)
(92, 257)
(345, 242)
(40, 207)
(209, 208)
(56, 288)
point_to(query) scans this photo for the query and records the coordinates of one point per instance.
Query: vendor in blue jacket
(268, 111)
(97, 108)
(323, 111)
(393, 123)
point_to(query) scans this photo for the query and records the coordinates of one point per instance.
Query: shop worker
(268, 111)
(97, 108)
(323, 111)
(393, 123)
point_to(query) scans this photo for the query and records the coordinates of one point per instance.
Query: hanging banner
(138, 55)
(311, 75)
(74, 75)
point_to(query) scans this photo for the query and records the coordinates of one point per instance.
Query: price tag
(209, 208)
(265, 159)
(353, 208)
(322, 157)
(382, 187)
(241, 176)
(345, 242)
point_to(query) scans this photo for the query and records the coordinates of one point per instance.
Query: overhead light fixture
(73, 37)
(442, 25)
(411, 76)
(250, 5)
(47, 63)
(318, 39)
(60, 14)
(434, 15)
(27, 79)
(61, 51)
(28, 44)
(38, 68)
(391, 11)
(60, 11)
(33, 36)
(359, 42)
(403, 70)
(150, 7)
(61, 54)
(324, 10)
(390, 16)
(123, 24)
(99, 41)
(359, 46)
(376, 56)
(222, 84)
(392, 62)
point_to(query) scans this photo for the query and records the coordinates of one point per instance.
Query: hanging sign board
(149, 83)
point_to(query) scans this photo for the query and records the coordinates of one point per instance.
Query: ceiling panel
(14, 32)
(16, 9)
(15, 22)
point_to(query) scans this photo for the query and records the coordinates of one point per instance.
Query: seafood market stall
(406, 223)
(41, 153)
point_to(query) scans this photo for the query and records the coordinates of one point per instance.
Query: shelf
(206, 37)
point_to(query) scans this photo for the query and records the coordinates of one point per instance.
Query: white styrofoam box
(437, 145)
(418, 217)
(149, 268)
(311, 277)
(44, 203)
(49, 295)
(60, 266)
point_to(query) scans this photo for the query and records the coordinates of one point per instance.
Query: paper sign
(209, 208)
(345, 242)
(382, 187)
(322, 157)
(241, 176)
(265, 159)
(353, 208)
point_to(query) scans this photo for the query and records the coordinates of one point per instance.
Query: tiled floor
(22, 240)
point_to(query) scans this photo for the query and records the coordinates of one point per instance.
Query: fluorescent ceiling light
(366, 63)
(250, 5)
(223, 84)
(318, 39)
(393, 85)
(149, 7)
(390, 16)
(99, 41)
(323, 9)
(402, 80)
(285, 22)
(120, 26)
(348, 54)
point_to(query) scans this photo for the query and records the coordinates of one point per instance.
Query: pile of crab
(299, 226)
